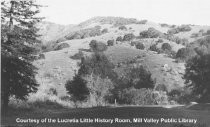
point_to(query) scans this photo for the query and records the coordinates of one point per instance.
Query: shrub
(110, 42)
(62, 46)
(150, 33)
(160, 40)
(97, 46)
(140, 46)
(119, 38)
(52, 91)
(74, 36)
(143, 97)
(99, 89)
(137, 77)
(184, 28)
(197, 76)
(61, 40)
(161, 87)
(97, 64)
(185, 54)
(208, 32)
(142, 22)
(128, 37)
(194, 35)
(95, 32)
(133, 43)
(49, 46)
(46, 104)
(154, 48)
(166, 46)
(105, 30)
(173, 31)
(164, 25)
(41, 56)
(122, 28)
(77, 88)
(77, 56)
(182, 96)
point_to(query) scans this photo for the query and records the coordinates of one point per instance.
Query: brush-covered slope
(58, 66)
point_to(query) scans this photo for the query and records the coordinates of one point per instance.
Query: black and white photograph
(105, 63)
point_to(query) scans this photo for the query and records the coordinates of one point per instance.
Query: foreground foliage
(18, 20)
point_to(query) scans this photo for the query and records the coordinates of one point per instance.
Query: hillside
(58, 66)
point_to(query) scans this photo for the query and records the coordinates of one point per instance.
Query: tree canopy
(18, 37)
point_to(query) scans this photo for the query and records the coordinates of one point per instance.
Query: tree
(128, 37)
(96, 46)
(18, 36)
(185, 53)
(97, 64)
(140, 46)
(77, 88)
(166, 46)
(110, 42)
(198, 76)
(119, 38)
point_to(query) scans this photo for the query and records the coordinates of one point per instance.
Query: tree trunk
(11, 15)
(4, 103)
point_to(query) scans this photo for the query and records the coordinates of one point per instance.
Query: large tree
(18, 37)
(198, 76)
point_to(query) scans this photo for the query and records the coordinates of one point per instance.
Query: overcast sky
(159, 11)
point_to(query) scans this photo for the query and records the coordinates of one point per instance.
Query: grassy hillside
(58, 66)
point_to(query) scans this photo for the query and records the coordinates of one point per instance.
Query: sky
(160, 11)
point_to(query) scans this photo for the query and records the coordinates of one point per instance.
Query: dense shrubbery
(119, 38)
(164, 25)
(97, 46)
(197, 76)
(105, 30)
(77, 56)
(208, 32)
(161, 87)
(110, 42)
(142, 22)
(181, 96)
(185, 54)
(150, 33)
(154, 48)
(183, 41)
(133, 43)
(122, 28)
(76, 35)
(173, 31)
(41, 56)
(128, 37)
(166, 46)
(100, 89)
(61, 46)
(140, 46)
(137, 77)
(84, 33)
(97, 64)
(143, 97)
(159, 40)
(182, 28)
(50, 46)
(94, 80)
